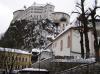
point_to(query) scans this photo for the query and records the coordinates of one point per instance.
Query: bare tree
(8, 60)
(81, 39)
(83, 18)
(93, 20)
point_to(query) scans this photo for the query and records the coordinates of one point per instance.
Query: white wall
(91, 43)
(76, 43)
(75, 49)
(56, 46)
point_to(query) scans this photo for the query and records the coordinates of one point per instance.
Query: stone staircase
(93, 68)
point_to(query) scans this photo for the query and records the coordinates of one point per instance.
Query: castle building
(34, 12)
(38, 12)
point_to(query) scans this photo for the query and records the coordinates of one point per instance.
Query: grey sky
(7, 7)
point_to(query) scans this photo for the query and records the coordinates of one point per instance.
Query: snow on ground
(89, 60)
(36, 50)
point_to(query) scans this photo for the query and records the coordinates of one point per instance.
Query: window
(69, 42)
(30, 15)
(23, 59)
(61, 45)
(19, 58)
(22, 67)
(26, 59)
(50, 10)
(63, 26)
(16, 59)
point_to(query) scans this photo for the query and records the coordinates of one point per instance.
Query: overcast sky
(7, 7)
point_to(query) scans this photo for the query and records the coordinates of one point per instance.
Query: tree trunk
(96, 45)
(84, 21)
(82, 44)
(87, 43)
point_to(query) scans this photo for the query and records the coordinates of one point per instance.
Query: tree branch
(75, 12)
(97, 16)
(78, 7)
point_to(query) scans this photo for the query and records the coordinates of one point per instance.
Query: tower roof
(36, 4)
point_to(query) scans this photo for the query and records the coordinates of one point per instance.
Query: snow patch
(14, 50)
(35, 50)
(33, 69)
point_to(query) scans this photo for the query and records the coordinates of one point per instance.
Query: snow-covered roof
(14, 50)
(35, 50)
(40, 50)
(48, 45)
(33, 69)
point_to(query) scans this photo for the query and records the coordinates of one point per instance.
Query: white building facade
(67, 43)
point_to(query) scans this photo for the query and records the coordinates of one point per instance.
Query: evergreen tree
(25, 34)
